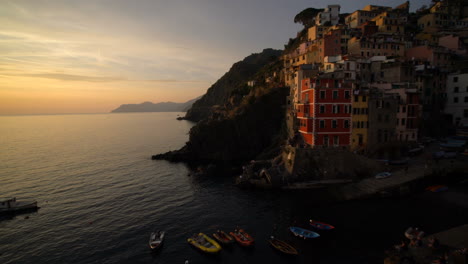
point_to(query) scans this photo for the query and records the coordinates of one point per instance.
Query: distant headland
(155, 107)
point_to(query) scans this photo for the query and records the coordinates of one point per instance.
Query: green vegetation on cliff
(236, 78)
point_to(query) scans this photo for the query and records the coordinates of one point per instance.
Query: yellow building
(360, 118)
(390, 22)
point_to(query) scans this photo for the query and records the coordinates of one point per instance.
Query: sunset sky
(91, 56)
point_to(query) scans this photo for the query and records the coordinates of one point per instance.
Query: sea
(101, 195)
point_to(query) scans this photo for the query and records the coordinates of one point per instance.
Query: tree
(307, 16)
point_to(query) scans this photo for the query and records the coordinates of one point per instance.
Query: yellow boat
(204, 243)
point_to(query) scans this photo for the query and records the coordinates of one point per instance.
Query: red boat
(321, 225)
(222, 237)
(242, 237)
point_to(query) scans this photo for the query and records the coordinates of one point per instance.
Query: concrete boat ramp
(400, 181)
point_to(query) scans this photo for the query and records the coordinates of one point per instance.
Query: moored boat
(304, 233)
(242, 237)
(204, 243)
(437, 188)
(282, 246)
(222, 237)
(156, 239)
(321, 225)
(10, 205)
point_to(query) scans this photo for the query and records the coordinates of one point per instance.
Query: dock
(400, 180)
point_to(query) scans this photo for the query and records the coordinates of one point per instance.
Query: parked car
(383, 175)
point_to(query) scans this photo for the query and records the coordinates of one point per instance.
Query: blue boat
(304, 233)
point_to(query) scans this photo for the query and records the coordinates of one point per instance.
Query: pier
(401, 180)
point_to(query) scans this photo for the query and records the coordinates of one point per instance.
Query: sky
(90, 56)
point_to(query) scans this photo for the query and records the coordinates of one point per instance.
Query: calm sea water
(101, 195)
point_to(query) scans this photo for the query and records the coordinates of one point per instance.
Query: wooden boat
(282, 246)
(304, 233)
(204, 243)
(156, 239)
(11, 206)
(222, 237)
(437, 188)
(321, 225)
(242, 237)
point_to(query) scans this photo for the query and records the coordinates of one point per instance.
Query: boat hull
(282, 246)
(222, 237)
(304, 233)
(321, 225)
(208, 245)
(243, 238)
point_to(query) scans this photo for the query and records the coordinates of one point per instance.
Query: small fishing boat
(304, 233)
(321, 225)
(156, 239)
(242, 237)
(437, 188)
(10, 205)
(222, 237)
(282, 246)
(204, 243)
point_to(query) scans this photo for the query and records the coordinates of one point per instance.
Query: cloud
(70, 77)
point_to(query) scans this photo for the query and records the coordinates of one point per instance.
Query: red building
(325, 113)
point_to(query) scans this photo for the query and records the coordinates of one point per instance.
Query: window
(336, 109)
(347, 95)
(403, 109)
(403, 121)
(356, 97)
(335, 94)
(465, 113)
(336, 140)
(466, 99)
(364, 98)
(455, 79)
(455, 90)
(455, 99)
(322, 94)
(346, 123)
(334, 124)
(355, 111)
(322, 109)
(322, 123)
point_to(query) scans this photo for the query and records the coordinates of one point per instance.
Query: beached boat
(222, 237)
(242, 237)
(204, 243)
(321, 225)
(156, 239)
(10, 205)
(437, 188)
(304, 233)
(282, 246)
(413, 233)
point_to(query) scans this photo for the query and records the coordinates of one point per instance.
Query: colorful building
(360, 120)
(325, 115)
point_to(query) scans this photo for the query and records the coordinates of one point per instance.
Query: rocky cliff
(236, 78)
(155, 107)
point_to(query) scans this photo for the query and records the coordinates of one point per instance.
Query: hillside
(236, 78)
(155, 107)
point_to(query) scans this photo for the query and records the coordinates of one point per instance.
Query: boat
(282, 246)
(242, 237)
(437, 188)
(304, 233)
(156, 239)
(413, 233)
(10, 205)
(321, 225)
(222, 237)
(204, 243)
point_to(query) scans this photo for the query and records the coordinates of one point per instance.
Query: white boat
(10, 205)
(156, 239)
